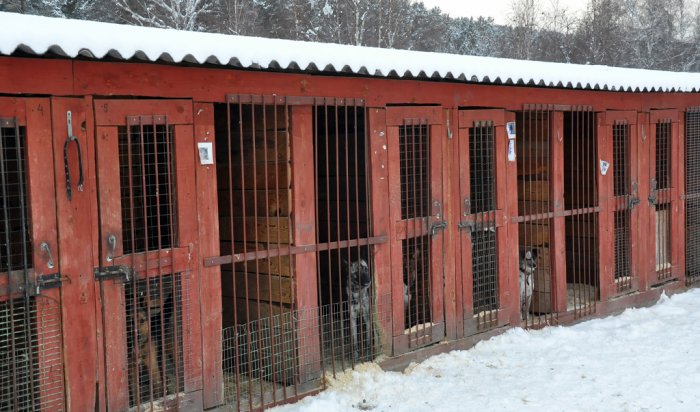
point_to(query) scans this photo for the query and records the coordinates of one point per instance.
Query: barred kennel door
(415, 142)
(145, 162)
(620, 151)
(31, 358)
(665, 239)
(483, 146)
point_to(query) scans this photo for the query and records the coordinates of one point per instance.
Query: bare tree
(174, 14)
(524, 18)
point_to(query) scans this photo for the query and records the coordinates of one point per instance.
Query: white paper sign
(511, 150)
(510, 129)
(206, 153)
(604, 167)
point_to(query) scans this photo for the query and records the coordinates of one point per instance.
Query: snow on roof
(39, 36)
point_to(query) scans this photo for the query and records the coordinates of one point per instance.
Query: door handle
(111, 247)
(47, 249)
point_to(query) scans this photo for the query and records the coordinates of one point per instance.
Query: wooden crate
(270, 142)
(254, 176)
(278, 265)
(273, 230)
(533, 190)
(533, 234)
(259, 286)
(542, 292)
(260, 202)
(531, 207)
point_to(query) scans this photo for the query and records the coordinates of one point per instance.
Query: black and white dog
(528, 265)
(358, 283)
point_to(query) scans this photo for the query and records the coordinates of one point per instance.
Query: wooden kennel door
(415, 145)
(665, 239)
(483, 253)
(620, 185)
(31, 343)
(150, 311)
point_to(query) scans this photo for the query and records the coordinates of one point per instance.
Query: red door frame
(432, 117)
(109, 115)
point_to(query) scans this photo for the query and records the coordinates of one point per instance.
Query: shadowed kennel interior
(264, 330)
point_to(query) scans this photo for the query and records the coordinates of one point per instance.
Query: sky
(641, 360)
(498, 9)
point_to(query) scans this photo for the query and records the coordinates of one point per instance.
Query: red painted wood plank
(508, 256)
(115, 112)
(557, 228)
(188, 234)
(110, 296)
(36, 76)
(74, 230)
(379, 189)
(394, 210)
(453, 318)
(606, 221)
(210, 277)
(646, 169)
(304, 233)
(42, 215)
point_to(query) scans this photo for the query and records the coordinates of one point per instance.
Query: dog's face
(528, 260)
(358, 275)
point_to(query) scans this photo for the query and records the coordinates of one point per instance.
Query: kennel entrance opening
(31, 354)
(149, 311)
(415, 140)
(483, 251)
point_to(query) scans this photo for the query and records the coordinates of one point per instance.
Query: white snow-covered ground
(641, 360)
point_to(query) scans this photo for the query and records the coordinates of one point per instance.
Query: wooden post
(304, 233)
(558, 226)
(209, 277)
(75, 224)
(379, 189)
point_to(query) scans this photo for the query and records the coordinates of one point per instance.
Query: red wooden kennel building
(180, 211)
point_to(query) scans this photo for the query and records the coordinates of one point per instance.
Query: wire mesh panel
(154, 326)
(692, 191)
(146, 164)
(482, 205)
(581, 204)
(414, 168)
(275, 346)
(536, 284)
(623, 203)
(31, 360)
(662, 202)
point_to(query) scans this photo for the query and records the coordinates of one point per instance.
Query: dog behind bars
(528, 264)
(358, 282)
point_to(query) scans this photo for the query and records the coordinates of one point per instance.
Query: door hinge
(121, 273)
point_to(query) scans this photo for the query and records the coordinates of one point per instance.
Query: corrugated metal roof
(41, 36)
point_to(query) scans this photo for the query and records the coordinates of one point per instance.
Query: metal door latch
(634, 201)
(50, 281)
(466, 225)
(442, 225)
(118, 272)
